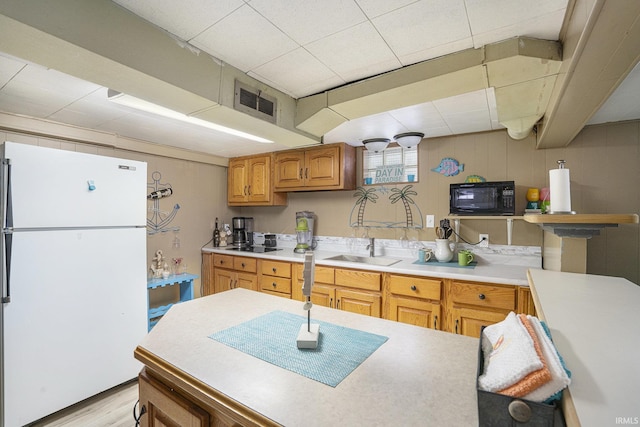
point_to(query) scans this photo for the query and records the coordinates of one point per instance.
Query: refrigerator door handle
(7, 231)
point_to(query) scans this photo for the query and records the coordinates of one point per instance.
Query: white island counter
(594, 323)
(418, 377)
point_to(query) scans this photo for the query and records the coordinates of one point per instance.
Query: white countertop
(418, 377)
(482, 272)
(594, 322)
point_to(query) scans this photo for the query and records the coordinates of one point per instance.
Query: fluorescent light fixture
(149, 107)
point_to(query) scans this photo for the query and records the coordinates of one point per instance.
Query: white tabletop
(594, 322)
(418, 377)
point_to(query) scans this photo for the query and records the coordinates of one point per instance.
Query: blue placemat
(272, 338)
(446, 264)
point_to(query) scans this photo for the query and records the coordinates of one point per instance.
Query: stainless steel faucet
(372, 246)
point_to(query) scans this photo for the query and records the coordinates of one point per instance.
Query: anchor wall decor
(158, 220)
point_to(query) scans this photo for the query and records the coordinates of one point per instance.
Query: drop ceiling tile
(298, 73)
(355, 53)
(545, 27)
(373, 8)
(186, 18)
(418, 118)
(436, 51)
(423, 25)
(9, 67)
(90, 111)
(472, 101)
(245, 31)
(308, 20)
(485, 16)
(623, 103)
(381, 125)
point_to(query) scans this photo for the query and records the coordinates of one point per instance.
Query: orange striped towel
(534, 379)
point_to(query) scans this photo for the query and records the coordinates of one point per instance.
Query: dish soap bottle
(216, 235)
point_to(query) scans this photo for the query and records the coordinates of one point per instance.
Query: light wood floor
(112, 408)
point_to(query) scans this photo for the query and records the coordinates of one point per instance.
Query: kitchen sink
(364, 260)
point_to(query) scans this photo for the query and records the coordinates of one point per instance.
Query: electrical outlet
(484, 241)
(431, 221)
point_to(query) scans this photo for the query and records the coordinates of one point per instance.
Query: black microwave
(482, 198)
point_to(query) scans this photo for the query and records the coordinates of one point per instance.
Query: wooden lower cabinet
(415, 312)
(359, 302)
(469, 321)
(162, 406)
(413, 300)
(471, 305)
(225, 280)
(274, 278)
(457, 306)
(167, 404)
(224, 272)
(356, 298)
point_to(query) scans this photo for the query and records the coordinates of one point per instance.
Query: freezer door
(52, 188)
(78, 310)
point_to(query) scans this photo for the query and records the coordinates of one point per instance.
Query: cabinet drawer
(276, 268)
(246, 264)
(415, 287)
(224, 261)
(358, 279)
(484, 295)
(322, 274)
(276, 284)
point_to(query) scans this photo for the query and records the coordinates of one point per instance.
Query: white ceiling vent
(255, 103)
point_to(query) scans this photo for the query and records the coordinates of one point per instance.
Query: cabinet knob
(274, 284)
(242, 265)
(481, 296)
(413, 287)
(274, 269)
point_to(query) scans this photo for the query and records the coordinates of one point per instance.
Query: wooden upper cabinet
(329, 167)
(249, 182)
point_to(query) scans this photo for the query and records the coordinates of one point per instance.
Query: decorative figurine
(157, 265)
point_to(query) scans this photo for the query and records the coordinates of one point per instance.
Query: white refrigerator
(73, 266)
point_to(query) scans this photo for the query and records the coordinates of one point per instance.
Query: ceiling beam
(601, 47)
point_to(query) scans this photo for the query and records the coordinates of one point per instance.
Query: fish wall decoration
(449, 167)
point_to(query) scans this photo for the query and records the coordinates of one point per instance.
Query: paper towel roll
(560, 189)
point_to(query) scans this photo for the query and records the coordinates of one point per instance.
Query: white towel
(509, 354)
(559, 377)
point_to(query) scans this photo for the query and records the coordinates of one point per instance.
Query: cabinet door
(469, 321)
(323, 295)
(259, 179)
(289, 169)
(322, 166)
(223, 280)
(415, 312)
(166, 408)
(359, 302)
(237, 185)
(207, 274)
(247, 281)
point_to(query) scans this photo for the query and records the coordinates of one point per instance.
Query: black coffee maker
(242, 231)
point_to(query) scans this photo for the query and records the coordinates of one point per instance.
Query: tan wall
(604, 163)
(199, 189)
(605, 168)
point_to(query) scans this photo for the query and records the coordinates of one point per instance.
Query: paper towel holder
(561, 164)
